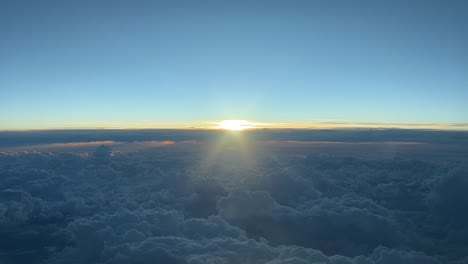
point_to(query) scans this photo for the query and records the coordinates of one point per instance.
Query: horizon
(253, 125)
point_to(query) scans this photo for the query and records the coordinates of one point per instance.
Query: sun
(235, 124)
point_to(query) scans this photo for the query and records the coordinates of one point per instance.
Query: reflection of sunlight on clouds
(229, 156)
(79, 144)
(91, 146)
(155, 143)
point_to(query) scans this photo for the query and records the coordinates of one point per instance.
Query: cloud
(161, 205)
(330, 225)
(90, 146)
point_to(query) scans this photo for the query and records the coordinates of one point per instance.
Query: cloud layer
(171, 205)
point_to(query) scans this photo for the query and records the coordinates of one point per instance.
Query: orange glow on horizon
(239, 125)
(235, 124)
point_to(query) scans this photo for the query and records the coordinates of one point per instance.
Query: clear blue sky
(67, 62)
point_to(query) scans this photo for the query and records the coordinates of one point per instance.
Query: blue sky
(75, 63)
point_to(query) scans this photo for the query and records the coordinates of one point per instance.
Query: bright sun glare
(235, 124)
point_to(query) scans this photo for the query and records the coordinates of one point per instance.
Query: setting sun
(235, 124)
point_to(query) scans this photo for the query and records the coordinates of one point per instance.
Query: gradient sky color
(68, 63)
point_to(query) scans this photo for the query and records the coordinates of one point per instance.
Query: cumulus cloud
(164, 205)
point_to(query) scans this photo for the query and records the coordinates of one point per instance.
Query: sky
(127, 63)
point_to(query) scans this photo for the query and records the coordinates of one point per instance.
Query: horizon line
(214, 125)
